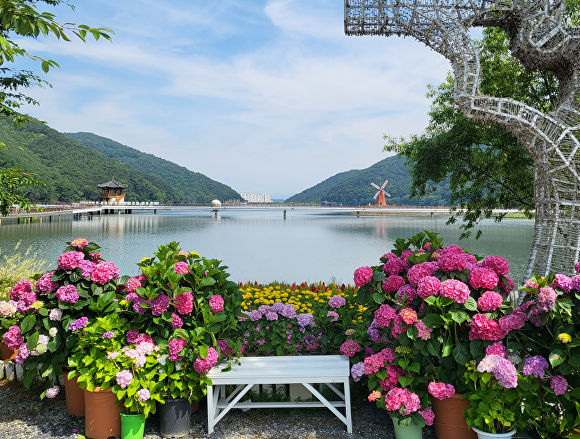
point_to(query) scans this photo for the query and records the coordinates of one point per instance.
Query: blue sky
(263, 95)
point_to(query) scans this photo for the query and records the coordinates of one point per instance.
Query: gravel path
(24, 416)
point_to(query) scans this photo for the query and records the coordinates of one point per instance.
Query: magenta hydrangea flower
(362, 276)
(109, 334)
(124, 378)
(23, 354)
(350, 348)
(373, 363)
(181, 268)
(184, 303)
(576, 283)
(70, 260)
(423, 332)
(105, 272)
(489, 301)
(132, 285)
(419, 271)
(506, 288)
(407, 290)
(132, 336)
(452, 262)
(428, 415)
(483, 328)
(225, 347)
(68, 293)
(21, 289)
(440, 390)
(177, 321)
(498, 349)
(546, 299)
(79, 243)
(160, 304)
(428, 286)
(45, 285)
(499, 265)
(392, 378)
(175, 347)
(216, 303)
(393, 283)
(393, 266)
(511, 322)
(483, 278)
(455, 289)
(536, 366)
(336, 301)
(577, 267)
(203, 365)
(559, 384)
(397, 398)
(87, 267)
(563, 282)
(384, 314)
(12, 337)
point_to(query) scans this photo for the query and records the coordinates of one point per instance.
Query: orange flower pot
(102, 414)
(449, 422)
(75, 396)
(7, 354)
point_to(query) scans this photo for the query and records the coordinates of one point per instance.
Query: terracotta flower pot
(7, 354)
(449, 422)
(102, 414)
(75, 396)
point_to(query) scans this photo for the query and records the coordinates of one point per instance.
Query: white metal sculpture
(541, 39)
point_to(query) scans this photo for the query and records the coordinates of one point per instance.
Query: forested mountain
(354, 187)
(193, 186)
(72, 171)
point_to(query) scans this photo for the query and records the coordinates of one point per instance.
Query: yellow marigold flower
(145, 259)
(194, 255)
(564, 338)
(296, 307)
(37, 305)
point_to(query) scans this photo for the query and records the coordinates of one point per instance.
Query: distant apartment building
(256, 198)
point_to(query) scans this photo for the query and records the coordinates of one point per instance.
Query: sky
(265, 96)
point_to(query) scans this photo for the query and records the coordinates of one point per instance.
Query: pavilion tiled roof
(112, 184)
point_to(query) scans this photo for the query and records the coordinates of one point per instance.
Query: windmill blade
(387, 194)
(376, 195)
(372, 184)
(384, 184)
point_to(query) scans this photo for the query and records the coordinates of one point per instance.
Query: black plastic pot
(175, 417)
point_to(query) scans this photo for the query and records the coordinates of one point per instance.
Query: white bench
(305, 370)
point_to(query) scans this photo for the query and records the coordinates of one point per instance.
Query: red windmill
(381, 194)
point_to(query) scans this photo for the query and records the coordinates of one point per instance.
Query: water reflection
(260, 244)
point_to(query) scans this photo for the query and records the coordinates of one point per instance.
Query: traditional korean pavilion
(112, 192)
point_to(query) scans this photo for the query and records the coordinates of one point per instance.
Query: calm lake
(258, 244)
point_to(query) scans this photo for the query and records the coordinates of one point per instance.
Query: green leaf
(556, 357)
(206, 281)
(405, 381)
(461, 353)
(27, 323)
(458, 316)
(471, 304)
(433, 321)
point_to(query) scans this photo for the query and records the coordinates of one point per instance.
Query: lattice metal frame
(541, 40)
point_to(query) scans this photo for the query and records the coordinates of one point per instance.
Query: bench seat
(305, 370)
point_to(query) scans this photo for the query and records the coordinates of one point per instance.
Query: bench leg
(210, 409)
(347, 405)
(330, 407)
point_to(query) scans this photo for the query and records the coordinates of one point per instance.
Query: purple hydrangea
(52, 392)
(109, 334)
(357, 371)
(289, 311)
(305, 320)
(160, 304)
(535, 366)
(271, 316)
(78, 324)
(559, 384)
(336, 301)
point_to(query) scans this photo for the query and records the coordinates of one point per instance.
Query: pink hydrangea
(531, 284)
(362, 276)
(350, 348)
(440, 390)
(225, 347)
(419, 271)
(489, 301)
(392, 378)
(52, 392)
(408, 315)
(397, 398)
(216, 303)
(374, 395)
(175, 347)
(563, 282)
(546, 299)
(428, 286)
(424, 333)
(576, 283)
(124, 378)
(184, 303)
(498, 349)
(451, 249)
(452, 262)
(505, 372)
(455, 289)
(384, 315)
(203, 365)
(397, 326)
(143, 395)
(483, 278)
(373, 363)
(87, 267)
(44, 284)
(393, 283)
(336, 301)
(143, 338)
(104, 272)
(12, 337)
(393, 266)
(79, 243)
(22, 288)
(388, 355)
(177, 321)
(333, 316)
(428, 415)
(181, 268)
(132, 285)
(67, 293)
(513, 321)
(483, 328)
(577, 267)
(499, 265)
(70, 260)
(559, 384)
